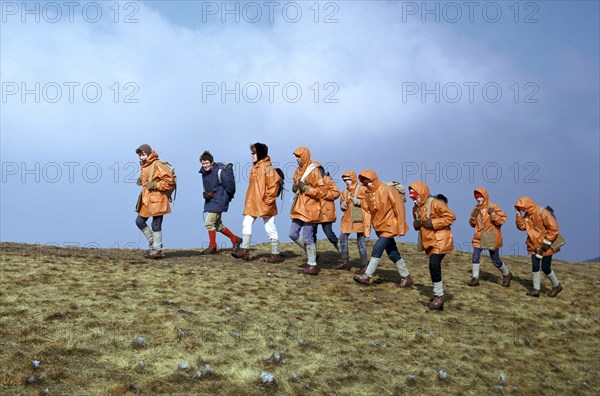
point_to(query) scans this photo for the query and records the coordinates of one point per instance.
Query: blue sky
(504, 95)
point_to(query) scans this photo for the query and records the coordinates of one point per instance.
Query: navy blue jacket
(220, 202)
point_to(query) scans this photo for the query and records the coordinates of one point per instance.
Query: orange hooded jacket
(347, 226)
(307, 205)
(384, 203)
(538, 228)
(328, 211)
(155, 202)
(485, 221)
(261, 196)
(439, 239)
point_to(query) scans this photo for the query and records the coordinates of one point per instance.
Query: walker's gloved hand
(491, 211)
(344, 206)
(208, 195)
(356, 201)
(151, 185)
(303, 186)
(474, 213)
(417, 224)
(427, 223)
(294, 187)
(139, 181)
(544, 247)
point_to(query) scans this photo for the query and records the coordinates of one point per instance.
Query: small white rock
(442, 374)
(294, 377)
(207, 369)
(182, 366)
(411, 378)
(198, 374)
(36, 364)
(141, 365)
(266, 378)
(228, 309)
(502, 378)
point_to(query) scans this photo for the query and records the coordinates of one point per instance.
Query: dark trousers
(546, 264)
(329, 233)
(389, 246)
(156, 223)
(494, 255)
(435, 267)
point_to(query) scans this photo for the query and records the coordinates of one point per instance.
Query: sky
(460, 95)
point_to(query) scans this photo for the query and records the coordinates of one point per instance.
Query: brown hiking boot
(243, 254)
(273, 259)
(363, 279)
(361, 270)
(533, 293)
(344, 265)
(506, 279)
(237, 244)
(310, 270)
(555, 290)
(209, 250)
(437, 304)
(474, 282)
(406, 282)
(154, 254)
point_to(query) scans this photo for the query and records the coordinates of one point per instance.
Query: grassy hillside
(89, 316)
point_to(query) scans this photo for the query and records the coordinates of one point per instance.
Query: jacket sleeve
(271, 184)
(316, 184)
(163, 178)
(333, 192)
(498, 217)
(520, 222)
(441, 215)
(472, 221)
(551, 226)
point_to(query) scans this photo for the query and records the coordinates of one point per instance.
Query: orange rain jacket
(261, 196)
(306, 206)
(384, 203)
(538, 228)
(485, 221)
(347, 226)
(439, 239)
(328, 211)
(155, 202)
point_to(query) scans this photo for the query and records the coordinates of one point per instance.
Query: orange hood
(527, 204)
(484, 193)
(304, 154)
(371, 175)
(422, 189)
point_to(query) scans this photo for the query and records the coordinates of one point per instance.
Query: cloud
(401, 94)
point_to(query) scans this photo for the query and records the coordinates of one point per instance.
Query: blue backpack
(226, 177)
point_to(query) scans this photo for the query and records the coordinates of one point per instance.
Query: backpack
(399, 187)
(226, 178)
(172, 192)
(281, 175)
(549, 209)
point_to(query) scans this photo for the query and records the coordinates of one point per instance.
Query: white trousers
(270, 228)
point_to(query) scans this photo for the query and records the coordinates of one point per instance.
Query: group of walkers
(367, 202)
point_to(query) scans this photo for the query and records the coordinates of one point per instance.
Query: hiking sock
(274, 246)
(438, 289)
(229, 235)
(372, 267)
(311, 252)
(246, 241)
(148, 234)
(212, 237)
(475, 269)
(553, 279)
(402, 269)
(300, 242)
(535, 277)
(157, 236)
(504, 270)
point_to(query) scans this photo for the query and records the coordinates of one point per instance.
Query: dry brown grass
(78, 312)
